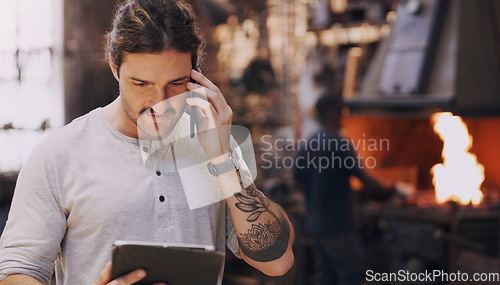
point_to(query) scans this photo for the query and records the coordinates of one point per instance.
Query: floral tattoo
(264, 241)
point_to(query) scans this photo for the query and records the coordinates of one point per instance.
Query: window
(31, 100)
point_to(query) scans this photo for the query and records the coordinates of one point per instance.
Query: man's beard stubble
(152, 130)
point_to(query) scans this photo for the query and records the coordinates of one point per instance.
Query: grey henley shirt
(85, 187)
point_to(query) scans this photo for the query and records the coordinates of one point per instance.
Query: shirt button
(158, 172)
(162, 198)
(145, 149)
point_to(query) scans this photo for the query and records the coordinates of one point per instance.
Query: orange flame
(460, 176)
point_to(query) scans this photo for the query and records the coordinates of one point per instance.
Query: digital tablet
(174, 264)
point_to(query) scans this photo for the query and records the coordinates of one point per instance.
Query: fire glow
(460, 176)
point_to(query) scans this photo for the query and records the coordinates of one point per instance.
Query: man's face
(153, 90)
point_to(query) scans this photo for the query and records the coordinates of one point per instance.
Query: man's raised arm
(265, 234)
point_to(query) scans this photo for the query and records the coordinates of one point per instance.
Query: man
(329, 221)
(95, 181)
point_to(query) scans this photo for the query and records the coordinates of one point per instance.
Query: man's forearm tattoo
(265, 240)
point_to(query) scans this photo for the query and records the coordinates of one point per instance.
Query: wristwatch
(229, 165)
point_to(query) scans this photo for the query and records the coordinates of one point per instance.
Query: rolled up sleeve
(36, 224)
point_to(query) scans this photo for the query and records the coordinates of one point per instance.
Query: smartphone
(191, 94)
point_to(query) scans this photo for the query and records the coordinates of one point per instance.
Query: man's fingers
(130, 278)
(198, 89)
(208, 109)
(210, 91)
(217, 103)
(198, 77)
(216, 99)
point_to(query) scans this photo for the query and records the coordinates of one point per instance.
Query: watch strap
(229, 165)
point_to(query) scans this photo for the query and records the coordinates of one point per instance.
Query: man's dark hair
(329, 109)
(151, 26)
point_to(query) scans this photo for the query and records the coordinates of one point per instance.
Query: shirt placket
(161, 173)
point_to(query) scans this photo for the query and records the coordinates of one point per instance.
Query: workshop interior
(420, 86)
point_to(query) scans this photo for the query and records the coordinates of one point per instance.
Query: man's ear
(114, 67)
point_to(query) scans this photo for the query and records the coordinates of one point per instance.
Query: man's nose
(160, 103)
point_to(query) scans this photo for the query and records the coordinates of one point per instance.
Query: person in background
(329, 220)
(88, 184)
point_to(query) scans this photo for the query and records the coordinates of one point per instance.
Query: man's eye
(140, 83)
(180, 82)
